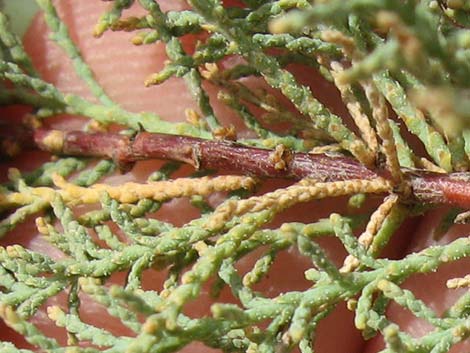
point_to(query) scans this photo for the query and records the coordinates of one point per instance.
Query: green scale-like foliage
(402, 50)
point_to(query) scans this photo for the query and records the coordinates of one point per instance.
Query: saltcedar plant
(401, 68)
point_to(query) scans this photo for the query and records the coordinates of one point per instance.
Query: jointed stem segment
(426, 187)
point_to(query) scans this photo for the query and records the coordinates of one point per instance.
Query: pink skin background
(121, 68)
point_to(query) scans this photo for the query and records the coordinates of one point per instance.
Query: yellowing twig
(128, 192)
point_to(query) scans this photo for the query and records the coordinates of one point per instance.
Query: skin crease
(128, 68)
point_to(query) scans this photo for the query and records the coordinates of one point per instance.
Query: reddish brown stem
(13, 138)
(429, 188)
(204, 154)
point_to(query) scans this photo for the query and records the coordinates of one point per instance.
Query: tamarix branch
(238, 175)
(426, 187)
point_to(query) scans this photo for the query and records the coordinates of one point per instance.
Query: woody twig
(426, 187)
